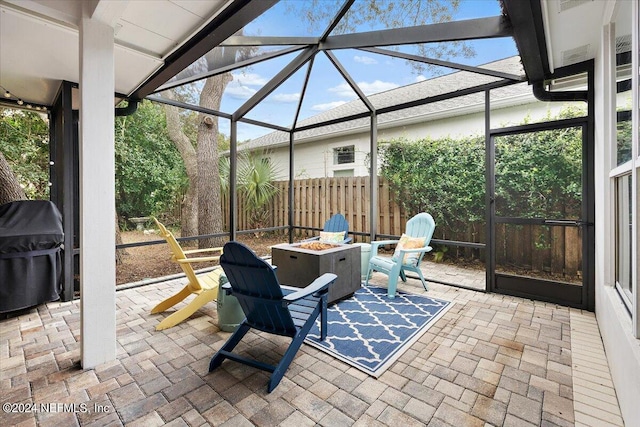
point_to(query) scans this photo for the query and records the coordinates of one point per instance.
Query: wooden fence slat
(298, 204)
(341, 196)
(501, 249)
(315, 200)
(573, 246)
(333, 202)
(357, 224)
(557, 250)
(398, 224)
(349, 210)
(538, 239)
(383, 211)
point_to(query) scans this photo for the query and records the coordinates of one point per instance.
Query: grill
(30, 254)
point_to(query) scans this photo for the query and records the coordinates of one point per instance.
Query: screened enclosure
(303, 100)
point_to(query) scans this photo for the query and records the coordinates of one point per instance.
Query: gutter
(131, 108)
(542, 94)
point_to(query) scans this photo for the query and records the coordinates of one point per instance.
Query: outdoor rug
(370, 331)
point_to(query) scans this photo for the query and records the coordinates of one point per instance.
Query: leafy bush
(24, 141)
(150, 174)
(444, 177)
(540, 174)
(255, 176)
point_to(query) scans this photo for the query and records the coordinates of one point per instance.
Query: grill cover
(30, 261)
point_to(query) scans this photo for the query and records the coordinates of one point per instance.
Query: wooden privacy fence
(315, 200)
(555, 250)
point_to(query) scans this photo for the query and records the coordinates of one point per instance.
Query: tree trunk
(10, 189)
(202, 207)
(209, 202)
(189, 225)
(121, 254)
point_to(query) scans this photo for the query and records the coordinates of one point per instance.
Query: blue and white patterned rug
(370, 331)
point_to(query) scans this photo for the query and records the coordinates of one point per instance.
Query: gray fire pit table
(298, 267)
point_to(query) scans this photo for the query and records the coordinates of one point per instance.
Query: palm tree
(255, 185)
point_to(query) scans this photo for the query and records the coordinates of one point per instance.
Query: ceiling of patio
(164, 43)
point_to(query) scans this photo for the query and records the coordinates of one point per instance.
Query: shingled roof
(447, 84)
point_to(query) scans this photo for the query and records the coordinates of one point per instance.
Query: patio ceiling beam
(269, 41)
(336, 19)
(203, 110)
(349, 80)
(230, 20)
(481, 28)
(448, 64)
(356, 116)
(228, 67)
(264, 124)
(197, 108)
(276, 81)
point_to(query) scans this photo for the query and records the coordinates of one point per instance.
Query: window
(344, 155)
(625, 161)
(624, 220)
(623, 103)
(343, 173)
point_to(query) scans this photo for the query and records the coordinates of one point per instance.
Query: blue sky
(327, 89)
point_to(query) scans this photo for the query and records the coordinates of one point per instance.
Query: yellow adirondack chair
(205, 287)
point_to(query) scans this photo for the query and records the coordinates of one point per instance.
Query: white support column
(97, 193)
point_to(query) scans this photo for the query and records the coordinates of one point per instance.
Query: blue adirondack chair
(336, 223)
(269, 307)
(408, 259)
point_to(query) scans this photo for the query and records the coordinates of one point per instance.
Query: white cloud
(376, 86)
(240, 86)
(420, 78)
(286, 97)
(343, 90)
(238, 91)
(367, 60)
(249, 79)
(327, 106)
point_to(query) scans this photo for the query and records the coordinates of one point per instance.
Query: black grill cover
(30, 263)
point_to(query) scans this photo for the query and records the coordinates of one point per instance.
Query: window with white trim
(344, 155)
(624, 221)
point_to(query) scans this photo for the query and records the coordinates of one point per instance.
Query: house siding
(313, 157)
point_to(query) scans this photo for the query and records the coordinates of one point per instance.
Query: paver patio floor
(490, 360)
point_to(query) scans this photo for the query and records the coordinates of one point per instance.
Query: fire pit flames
(317, 246)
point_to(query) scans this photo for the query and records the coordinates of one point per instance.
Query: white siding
(314, 157)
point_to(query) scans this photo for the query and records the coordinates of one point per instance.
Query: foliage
(24, 141)
(255, 181)
(624, 138)
(439, 252)
(376, 14)
(552, 188)
(256, 175)
(149, 171)
(446, 177)
(539, 174)
(224, 142)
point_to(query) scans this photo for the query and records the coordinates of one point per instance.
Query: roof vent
(570, 4)
(578, 54)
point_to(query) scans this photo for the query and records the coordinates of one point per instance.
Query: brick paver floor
(490, 360)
